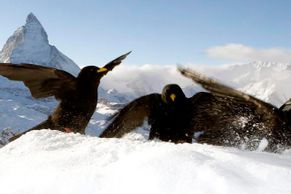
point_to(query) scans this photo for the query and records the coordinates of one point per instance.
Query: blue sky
(159, 31)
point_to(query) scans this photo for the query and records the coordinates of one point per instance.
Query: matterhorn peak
(34, 28)
(29, 44)
(31, 18)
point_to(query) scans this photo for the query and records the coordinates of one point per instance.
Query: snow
(49, 161)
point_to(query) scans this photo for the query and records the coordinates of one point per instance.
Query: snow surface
(54, 162)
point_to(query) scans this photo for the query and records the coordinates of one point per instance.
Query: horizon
(162, 33)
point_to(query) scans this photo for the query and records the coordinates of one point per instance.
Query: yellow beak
(173, 97)
(102, 69)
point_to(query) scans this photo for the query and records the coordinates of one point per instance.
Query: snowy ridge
(54, 162)
(266, 80)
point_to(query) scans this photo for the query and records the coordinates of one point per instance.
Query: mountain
(265, 80)
(29, 44)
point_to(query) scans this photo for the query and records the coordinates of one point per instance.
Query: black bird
(169, 115)
(224, 117)
(238, 119)
(77, 95)
(175, 118)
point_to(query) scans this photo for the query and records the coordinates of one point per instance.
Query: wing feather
(116, 62)
(131, 116)
(41, 81)
(269, 113)
(221, 89)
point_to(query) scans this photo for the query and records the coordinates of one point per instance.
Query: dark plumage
(176, 121)
(238, 119)
(168, 114)
(224, 116)
(77, 95)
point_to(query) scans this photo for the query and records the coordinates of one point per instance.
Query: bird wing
(210, 111)
(131, 116)
(286, 107)
(220, 89)
(41, 81)
(109, 66)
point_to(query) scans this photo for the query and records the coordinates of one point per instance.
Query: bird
(167, 113)
(220, 116)
(239, 119)
(172, 116)
(78, 96)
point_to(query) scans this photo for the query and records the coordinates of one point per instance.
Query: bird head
(92, 73)
(173, 94)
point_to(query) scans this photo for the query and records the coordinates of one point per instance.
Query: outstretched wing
(41, 81)
(131, 116)
(221, 89)
(109, 66)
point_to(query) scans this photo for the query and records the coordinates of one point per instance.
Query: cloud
(243, 53)
(143, 79)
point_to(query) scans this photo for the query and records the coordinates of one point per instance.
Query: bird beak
(173, 97)
(102, 69)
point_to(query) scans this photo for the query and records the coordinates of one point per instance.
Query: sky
(160, 32)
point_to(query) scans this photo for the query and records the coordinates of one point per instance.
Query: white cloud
(243, 53)
(143, 79)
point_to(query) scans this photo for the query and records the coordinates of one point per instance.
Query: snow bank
(54, 162)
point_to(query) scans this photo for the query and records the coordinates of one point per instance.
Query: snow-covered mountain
(30, 44)
(269, 81)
